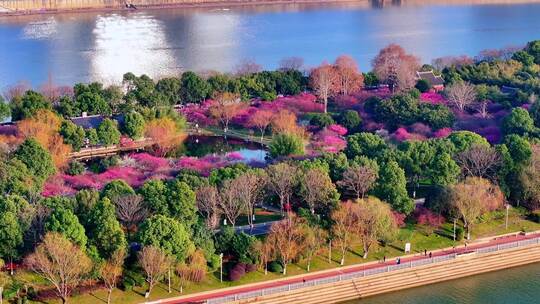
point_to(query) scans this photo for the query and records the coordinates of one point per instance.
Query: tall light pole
(506, 221)
(221, 267)
(454, 230)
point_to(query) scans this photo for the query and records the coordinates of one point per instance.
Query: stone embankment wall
(466, 265)
(18, 7)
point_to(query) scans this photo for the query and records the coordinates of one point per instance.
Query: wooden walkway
(100, 151)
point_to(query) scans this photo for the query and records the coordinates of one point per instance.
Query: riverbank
(359, 281)
(37, 7)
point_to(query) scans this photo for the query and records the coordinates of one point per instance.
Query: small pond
(200, 146)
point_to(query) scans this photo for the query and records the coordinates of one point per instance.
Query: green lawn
(493, 224)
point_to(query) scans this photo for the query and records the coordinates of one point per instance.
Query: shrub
(251, 267)
(535, 216)
(237, 272)
(132, 279)
(286, 145)
(422, 85)
(321, 120)
(275, 266)
(350, 119)
(75, 168)
(459, 233)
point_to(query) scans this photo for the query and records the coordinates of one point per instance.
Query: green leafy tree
(397, 110)
(105, 231)
(170, 89)
(350, 120)
(92, 103)
(28, 104)
(518, 122)
(366, 144)
(321, 120)
(92, 136)
(219, 175)
(66, 223)
(36, 158)
(392, 187)
(11, 235)
(519, 149)
(463, 140)
(533, 48)
(167, 234)
(286, 145)
(154, 193)
(444, 170)
(5, 109)
(435, 116)
(73, 135)
(85, 200)
(134, 125)
(525, 58)
(193, 88)
(422, 85)
(116, 189)
(15, 178)
(181, 201)
(108, 133)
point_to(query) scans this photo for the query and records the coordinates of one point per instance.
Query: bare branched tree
(61, 263)
(155, 264)
(209, 204)
(350, 80)
(480, 161)
(230, 202)
(324, 82)
(111, 270)
(287, 239)
(396, 68)
(130, 210)
(316, 188)
(461, 95)
(474, 197)
(249, 187)
(359, 179)
(282, 178)
(291, 64)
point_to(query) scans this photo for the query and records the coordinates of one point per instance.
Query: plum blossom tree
(261, 119)
(226, 105)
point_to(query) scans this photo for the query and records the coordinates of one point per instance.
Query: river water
(74, 47)
(516, 285)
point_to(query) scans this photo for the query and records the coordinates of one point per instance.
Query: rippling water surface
(104, 45)
(512, 286)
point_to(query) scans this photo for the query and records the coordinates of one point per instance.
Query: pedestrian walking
(384, 259)
(425, 251)
(430, 255)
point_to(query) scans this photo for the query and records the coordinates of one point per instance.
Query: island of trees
(357, 165)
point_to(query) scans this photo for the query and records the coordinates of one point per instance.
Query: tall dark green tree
(66, 223)
(392, 187)
(108, 132)
(134, 125)
(36, 158)
(28, 104)
(105, 232)
(167, 234)
(193, 88)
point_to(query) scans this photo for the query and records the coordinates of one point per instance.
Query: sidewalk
(481, 243)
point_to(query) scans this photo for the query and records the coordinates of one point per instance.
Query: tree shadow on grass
(98, 298)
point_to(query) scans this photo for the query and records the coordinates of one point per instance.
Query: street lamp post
(221, 267)
(506, 221)
(454, 230)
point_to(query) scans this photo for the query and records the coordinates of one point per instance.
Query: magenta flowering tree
(442, 133)
(337, 129)
(433, 98)
(402, 134)
(427, 219)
